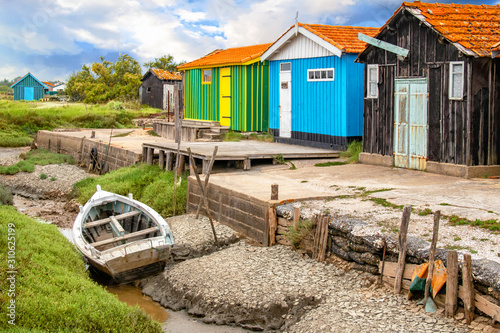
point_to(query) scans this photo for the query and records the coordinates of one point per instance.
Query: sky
(53, 38)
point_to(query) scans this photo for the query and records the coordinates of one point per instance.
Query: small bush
(233, 136)
(53, 178)
(43, 176)
(352, 152)
(6, 197)
(296, 234)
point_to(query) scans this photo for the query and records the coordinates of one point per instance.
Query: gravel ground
(481, 243)
(194, 238)
(29, 184)
(275, 289)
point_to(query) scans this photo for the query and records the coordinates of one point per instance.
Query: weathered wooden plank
(482, 304)
(116, 226)
(403, 230)
(390, 269)
(468, 287)
(451, 283)
(435, 234)
(383, 45)
(273, 225)
(107, 220)
(125, 237)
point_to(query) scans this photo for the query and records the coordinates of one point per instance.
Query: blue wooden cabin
(29, 88)
(316, 88)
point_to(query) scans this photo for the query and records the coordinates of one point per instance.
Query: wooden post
(207, 177)
(468, 289)
(451, 284)
(296, 217)
(180, 165)
(273, 224)
(149, 157)
(435, 233)
(274, 191)
(178, 124)
(403, 231)
(92, 134)
(176, 173)
(144, 153)
(383, 261)
(161, 159)
(247, 164)
(170, 161)
(192, 166)
(202, 191)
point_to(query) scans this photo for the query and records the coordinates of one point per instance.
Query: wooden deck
(244, 151)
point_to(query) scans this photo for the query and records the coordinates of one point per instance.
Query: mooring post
(161, 159)
(402, 247)
(468, 285)
(170, 161)
(451, 283)
(274, 191)
(150, 154)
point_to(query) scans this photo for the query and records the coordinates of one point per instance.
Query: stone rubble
(274, 289)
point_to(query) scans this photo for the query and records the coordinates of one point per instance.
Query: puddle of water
(68, 233)
(133, 296)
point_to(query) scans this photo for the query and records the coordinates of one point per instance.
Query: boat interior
(116, 223)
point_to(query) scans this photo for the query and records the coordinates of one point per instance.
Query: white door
(285, 101)
(168, 94)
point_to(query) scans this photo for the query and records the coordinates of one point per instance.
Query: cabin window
(372, 81)
(456, 80)
(148, 89)
(207, 76)
(321, 74)
(285, 67)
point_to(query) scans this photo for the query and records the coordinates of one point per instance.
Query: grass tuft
(6, 197)
(233, 136)
(36, 157)
(352, 152)
(148, 184)
(327, 164)
(296, 234)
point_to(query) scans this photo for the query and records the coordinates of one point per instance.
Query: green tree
(165, 62)
(104, 81)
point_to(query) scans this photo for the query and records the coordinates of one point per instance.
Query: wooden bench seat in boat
(125, 237)
(108, 219)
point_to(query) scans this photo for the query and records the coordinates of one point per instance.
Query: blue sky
(53, 38)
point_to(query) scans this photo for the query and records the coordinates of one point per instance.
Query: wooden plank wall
(460, 131)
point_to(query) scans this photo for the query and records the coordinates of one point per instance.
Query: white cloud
(190, 16)
(211, 29)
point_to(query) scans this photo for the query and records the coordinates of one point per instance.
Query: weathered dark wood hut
(431, 90)
(157, 88)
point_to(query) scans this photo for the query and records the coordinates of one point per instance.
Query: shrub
(43, 176)
(6, 197)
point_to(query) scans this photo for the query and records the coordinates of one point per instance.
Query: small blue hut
(315, 88)
(29, 88)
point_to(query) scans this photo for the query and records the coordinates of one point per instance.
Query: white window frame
(320, 70)
(204, 77)
(368, 82)
(281, 66)
(450, 86)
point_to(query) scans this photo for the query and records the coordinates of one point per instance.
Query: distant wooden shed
(157, 87)
(230, 87)
(29, 88)
(431, 90)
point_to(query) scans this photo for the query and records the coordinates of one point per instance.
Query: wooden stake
(402, 244)
(468, 289)
(451, 284)
(207, 177)
(383, 262)
(435, 233)
(324, 239)
(202, 191)
(296, 217)
(176, 171)
(274, 192)
(273, 224)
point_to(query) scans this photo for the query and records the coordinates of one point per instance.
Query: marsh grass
(20, 121)
(296, 234)
(53, 290)
(36, 157)
(148, 184)
(352, 152)
(6, 197)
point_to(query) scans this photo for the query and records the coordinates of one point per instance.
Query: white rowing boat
(122, 237)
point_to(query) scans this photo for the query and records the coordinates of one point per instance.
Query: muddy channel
(54, 208)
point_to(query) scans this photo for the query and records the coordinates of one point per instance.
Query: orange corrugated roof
(344, 38)
(236, 55)
(166, 75)
(48, 83)
(475, 27)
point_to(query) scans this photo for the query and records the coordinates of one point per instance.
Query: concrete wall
(79, 148)
(241, 212)
(456, 170)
